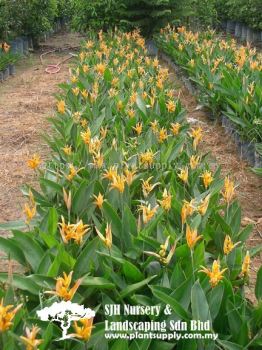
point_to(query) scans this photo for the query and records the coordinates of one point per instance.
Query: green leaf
(20, 282)
(32, 250)
(200, 307)
(82, 197)
(120, 344)
(52, 221)
(131, 272)
(97, 282)
(12, 249)
(134, 287)
(227, 345)
(258, 288)
(14, 225)
(113, 218)
(51, 186)
(141, 105)
(47, 337)
(245, 233)
(167, 299)
(255, 250)
(215, 298)
(85, 259)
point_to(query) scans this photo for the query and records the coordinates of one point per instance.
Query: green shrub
(95, 14)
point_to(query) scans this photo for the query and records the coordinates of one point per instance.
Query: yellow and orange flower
(175, 128)
(84, 330)
(183, 175)
(7, 314)
(62, 288)
(246, 265)
(34, 162)
(67, 149)
(129, 175)
(187, 210)
(197, 135)
(194, 161)
(147, 212)
(61, 106)
(191, 237)
(99, 200)
(138, 128)
(215, 274)
(147, 187)
(73, 232)
(107, 239)
(171, 106)
(229, 245)
(110, 173)
(86, 136)
(207, 178)
(146, 158)
(202, 207)
(162, 135)
(30, 340)
(118, 183)
(166, 201)
(229, 190)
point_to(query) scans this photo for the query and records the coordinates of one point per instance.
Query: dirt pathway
(26, 100)
(223, 151)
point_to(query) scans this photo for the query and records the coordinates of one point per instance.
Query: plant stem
(192, 260)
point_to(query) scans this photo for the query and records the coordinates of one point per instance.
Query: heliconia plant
(129, 211)
(228, 76)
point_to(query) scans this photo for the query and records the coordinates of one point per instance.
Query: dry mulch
(26, 101)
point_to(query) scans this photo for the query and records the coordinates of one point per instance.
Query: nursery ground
(223, 152)
(26, 101)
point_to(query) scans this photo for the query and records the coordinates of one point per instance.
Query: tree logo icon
(65, 312)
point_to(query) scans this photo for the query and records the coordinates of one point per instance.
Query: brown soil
(223, 151)
(26, 101)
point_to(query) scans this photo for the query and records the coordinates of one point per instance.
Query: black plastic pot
(30, 43)
(25, 46)
(20, 46)
(231, 27)
(238, 30)
(237, 139)
(258, 160)
(248, 152)
(224, 120)
(244, 33)
(257, 37)
(223, 25)
(13, 45)
(151, 48)
(5, 73)
(11, 69)
(250, 35)
(228, 125)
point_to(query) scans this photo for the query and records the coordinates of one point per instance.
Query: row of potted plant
(246, 12)
(129, 211)
(243, 32)
(228, 79)
(11, 51)
(7, 61)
